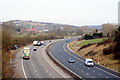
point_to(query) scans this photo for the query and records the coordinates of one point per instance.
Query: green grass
(86, 42)
(20, 35)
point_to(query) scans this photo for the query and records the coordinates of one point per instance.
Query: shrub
(104, 42)
(108, 50)
(87, 36)
(85, 46)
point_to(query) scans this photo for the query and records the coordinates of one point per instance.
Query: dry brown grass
(105, 60)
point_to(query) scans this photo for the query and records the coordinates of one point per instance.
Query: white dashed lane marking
(45, 68)
(87, 73)
(99, 74)
(93, 77)
(33, 68)
(82, 70)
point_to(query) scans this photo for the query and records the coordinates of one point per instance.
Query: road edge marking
(63, 64)
(95, 66)
(23, 69)
(52, 66)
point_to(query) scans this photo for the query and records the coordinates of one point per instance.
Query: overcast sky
(74, 12)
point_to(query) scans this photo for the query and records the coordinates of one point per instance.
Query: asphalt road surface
(39, 65)
(61, 52)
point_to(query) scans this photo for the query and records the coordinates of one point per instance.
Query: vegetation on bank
(86, 42)
(102, 49)
(8, 43)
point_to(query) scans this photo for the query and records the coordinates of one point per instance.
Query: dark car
(39, 44)
(34, 49)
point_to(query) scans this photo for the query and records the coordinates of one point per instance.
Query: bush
(104, 42)
(108, 50)
(85, 46)
(99, 35)
(87, 37)
(117, 51)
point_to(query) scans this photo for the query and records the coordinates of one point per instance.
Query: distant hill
(22, 25)
(96, 26)
(39, 25)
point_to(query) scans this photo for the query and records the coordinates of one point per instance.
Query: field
(86, 42)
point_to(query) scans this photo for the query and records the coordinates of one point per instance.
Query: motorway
(61, 52)
(39, 65)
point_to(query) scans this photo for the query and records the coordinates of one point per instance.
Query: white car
(35, 43)
(89, 62)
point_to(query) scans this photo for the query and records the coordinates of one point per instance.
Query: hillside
(39, 25)
(95, 52)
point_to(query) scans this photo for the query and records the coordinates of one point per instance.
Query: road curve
(39, 65)
(61, 52)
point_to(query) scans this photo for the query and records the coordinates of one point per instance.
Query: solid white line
(71, 54)
(106, 72)
(23, 69)
(83, 61)
(64, 66)
(53, 67)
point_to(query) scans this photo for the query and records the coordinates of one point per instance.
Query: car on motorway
(39, 43)
(35, 43)
(88, 62)
(71, 60)
(34, 49)
(67, 40)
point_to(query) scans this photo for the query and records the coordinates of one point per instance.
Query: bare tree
(108, 28)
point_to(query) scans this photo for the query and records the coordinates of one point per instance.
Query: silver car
(71, 60)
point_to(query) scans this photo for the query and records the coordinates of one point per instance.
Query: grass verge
(105, 60)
